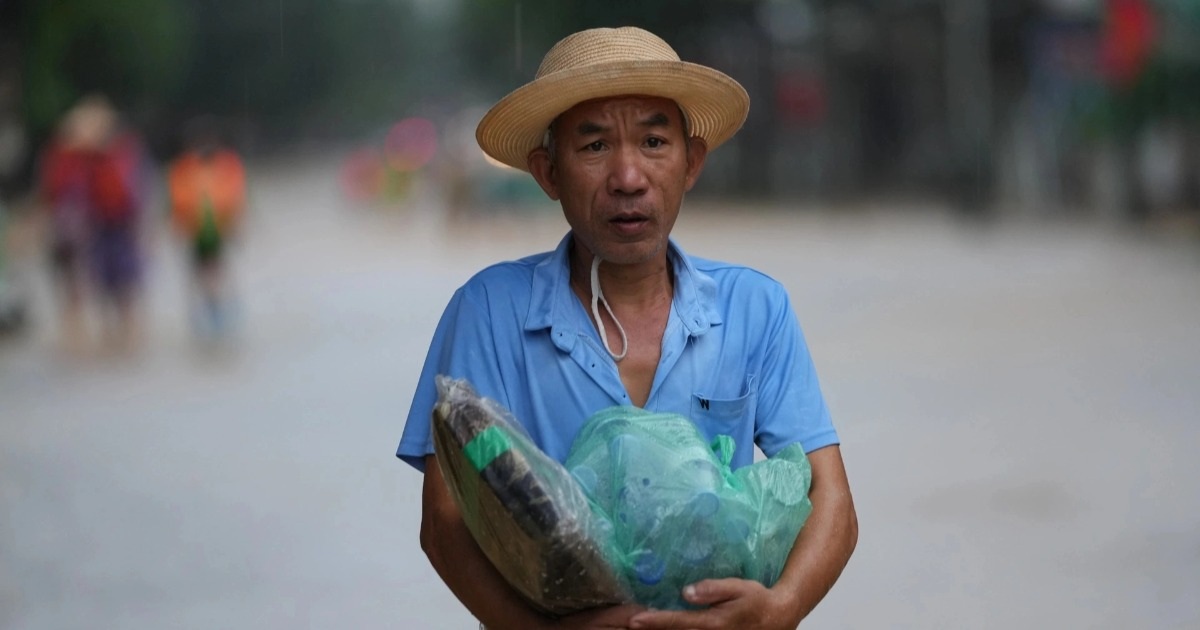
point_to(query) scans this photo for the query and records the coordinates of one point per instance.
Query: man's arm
(817, 559)
(464, 568)
(827, 539)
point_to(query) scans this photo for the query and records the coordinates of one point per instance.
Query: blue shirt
(733, 357)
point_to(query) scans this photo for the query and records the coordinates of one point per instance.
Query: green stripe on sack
(488, 445)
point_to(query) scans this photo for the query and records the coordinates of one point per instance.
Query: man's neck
(644, 285)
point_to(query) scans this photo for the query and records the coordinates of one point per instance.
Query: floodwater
(1019, 405)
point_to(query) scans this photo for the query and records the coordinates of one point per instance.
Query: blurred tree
(503, 42)
(303, 64)
(129, 49)
(505, 39)
(286, 68)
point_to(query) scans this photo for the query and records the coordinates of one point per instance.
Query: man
(617, 129)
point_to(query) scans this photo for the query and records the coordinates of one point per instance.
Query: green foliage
(342, 67)
(504, 40)
(378, 56)
(280, 63)
(127, 48)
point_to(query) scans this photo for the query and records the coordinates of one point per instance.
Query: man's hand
(731, 603)
(603, 619)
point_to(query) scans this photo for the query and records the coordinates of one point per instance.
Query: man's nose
(627, 173)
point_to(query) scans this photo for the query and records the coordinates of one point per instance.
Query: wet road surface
(1019, 406)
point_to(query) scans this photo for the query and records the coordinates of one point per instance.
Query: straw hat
(604, 62)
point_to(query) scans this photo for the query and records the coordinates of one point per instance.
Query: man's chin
(633, 253)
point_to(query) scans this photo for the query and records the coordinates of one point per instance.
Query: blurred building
(1036, 106)
(1031, 106)
(869, 97)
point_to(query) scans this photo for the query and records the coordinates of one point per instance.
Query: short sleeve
(464, 347)
(790, 405)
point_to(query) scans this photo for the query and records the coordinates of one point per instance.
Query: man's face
(620, 169)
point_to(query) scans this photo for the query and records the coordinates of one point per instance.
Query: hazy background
(987, 215)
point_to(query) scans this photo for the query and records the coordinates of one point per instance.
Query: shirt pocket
(726, 416)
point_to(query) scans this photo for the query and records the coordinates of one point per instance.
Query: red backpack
(112, 190)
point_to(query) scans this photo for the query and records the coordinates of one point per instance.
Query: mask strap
(597, 299)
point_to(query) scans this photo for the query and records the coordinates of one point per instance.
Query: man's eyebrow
(657, 120)
(587, 128)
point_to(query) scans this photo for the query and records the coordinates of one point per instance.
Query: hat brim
(715, 104)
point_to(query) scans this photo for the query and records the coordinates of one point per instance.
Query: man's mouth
(630, 225)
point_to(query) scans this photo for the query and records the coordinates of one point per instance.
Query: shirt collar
(551, 300)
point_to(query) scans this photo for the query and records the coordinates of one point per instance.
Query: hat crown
(605, 45)
(605, 63)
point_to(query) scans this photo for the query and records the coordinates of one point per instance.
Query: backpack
(112, 191)
(206, 193)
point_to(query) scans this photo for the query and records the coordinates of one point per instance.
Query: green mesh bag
(678, 513)
(642, 507)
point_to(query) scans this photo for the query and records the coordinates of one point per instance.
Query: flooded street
(1019, 406)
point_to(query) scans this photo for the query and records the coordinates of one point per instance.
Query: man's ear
(542, 170)
(696, 154)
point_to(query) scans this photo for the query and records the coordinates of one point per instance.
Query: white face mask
(597, 299)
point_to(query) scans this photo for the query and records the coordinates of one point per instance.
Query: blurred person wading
(207, 188)
(93, 188)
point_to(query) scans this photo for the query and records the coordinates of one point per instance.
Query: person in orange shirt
(207, 190)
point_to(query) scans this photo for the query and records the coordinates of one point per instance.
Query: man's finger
(670, 620)
(709, 592)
